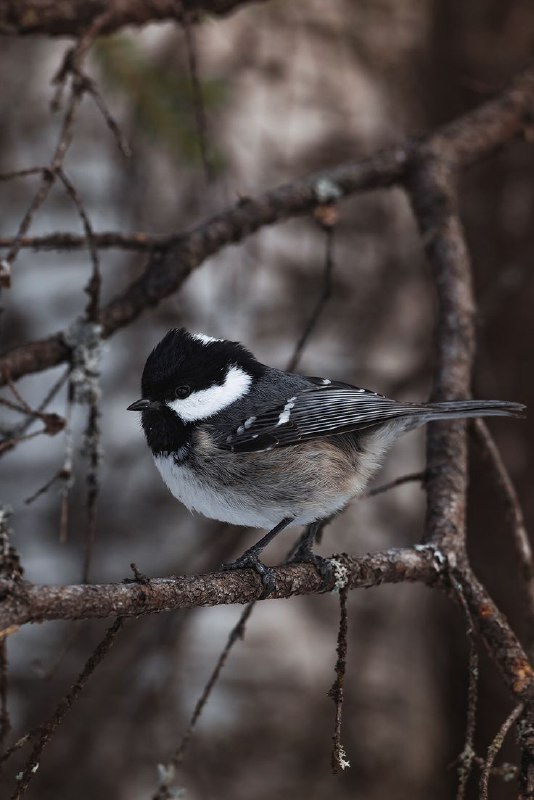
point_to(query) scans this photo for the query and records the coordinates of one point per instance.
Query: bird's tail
(462, 409)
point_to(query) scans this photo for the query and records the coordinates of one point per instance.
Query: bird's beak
(145, 405)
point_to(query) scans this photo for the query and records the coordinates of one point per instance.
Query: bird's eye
(182, 391)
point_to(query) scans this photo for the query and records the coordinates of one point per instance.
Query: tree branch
(74, 17)
(463, 142)
(26, 602)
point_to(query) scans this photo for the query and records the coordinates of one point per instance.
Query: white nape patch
(204, 338)
(206, 402)
(286, 413)
(326, 381)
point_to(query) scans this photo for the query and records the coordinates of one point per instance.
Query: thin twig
(324, 297)
(167, 772)
(104, 240)
(22, 173)
(47, 729)
(64, 474)
(49, 174)
(412, 477)
(515, 516)
(466, 758)
(92, 89)
(93, 288)
(198, 100)
(52, 392)
(339, 759)
(494, 749)
(6, 445)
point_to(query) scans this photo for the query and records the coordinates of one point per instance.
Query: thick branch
(25, 602)
(74, 17)
(432, 185)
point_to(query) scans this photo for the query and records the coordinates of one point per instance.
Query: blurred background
(288, 88)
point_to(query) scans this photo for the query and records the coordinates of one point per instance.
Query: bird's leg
(304, 553)
(250, 558)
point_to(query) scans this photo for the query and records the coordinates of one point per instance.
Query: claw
(322, 565)
(251, 561)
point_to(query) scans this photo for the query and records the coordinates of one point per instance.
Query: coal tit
(252, 445)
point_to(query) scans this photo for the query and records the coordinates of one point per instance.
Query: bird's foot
(304, 555)
(250, 560)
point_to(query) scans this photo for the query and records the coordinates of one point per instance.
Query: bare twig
(494, 749)
(48, 174)
(514, 513)
(326, 293)
(93, 90)
(104, 240)
(52, 392)
(339, 757)
(198, 99)
(465, 761)
(22, 173)
(44, 732)
(167, 772)
(413, 477)
(74, 17)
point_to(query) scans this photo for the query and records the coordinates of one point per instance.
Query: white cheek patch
(206, 402)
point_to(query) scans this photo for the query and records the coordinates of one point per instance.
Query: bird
(252, 445)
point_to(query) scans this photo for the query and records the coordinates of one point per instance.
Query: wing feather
(325, 409)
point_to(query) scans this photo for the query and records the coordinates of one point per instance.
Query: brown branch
(105, 240)
(432, 187)
(463, 142)
(23, 602)
(431, 183)
(74, 17)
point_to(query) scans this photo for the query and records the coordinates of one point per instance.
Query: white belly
(228, 506)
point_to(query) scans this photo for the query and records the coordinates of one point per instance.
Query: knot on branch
(341, 568)
(327, 191)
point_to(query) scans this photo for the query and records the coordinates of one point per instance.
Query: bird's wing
(325, 409)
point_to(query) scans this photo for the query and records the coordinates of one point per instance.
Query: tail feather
(462, 409)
